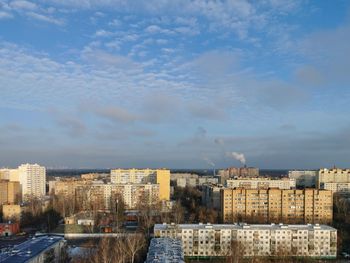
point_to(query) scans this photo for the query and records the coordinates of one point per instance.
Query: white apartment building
(261, 183)
(202, 240)
(304, 178)
(32, 178)
(337, 187)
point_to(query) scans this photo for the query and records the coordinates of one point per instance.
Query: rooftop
(165, 250)
(237, 226)
(29, 249)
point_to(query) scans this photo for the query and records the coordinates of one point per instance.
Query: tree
(235, 252)
(177, 213)
(134, 244)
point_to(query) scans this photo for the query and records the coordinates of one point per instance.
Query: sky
(176, 84)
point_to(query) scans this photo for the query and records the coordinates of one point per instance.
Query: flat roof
(165, 250)
(245, 226)
(29, 249)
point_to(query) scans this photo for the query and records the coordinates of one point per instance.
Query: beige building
(335, 175)
(9, 174)
(261, 183)
(276, 205)
(236, 172)
(11, 212)
(10, 192)
(90, 176)
(105, 196)
(253, 240)
(144, 176)
(337, 187)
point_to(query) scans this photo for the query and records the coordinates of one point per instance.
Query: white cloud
(103, 33)
(46, 18)
(5, 15)
(23, 5)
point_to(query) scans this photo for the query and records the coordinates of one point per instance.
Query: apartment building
(9, 174)
(37, 250)
(184, 179)
(192, 180)
(211, 196)
(337, 187)
(304, 178)
(261, 183)
(208, 240)
(67, 186)
(335, 176)
(105, 196)
(236, 172)
(10, 192)
(276, 205)
(144, 176)
(32, 178)
(11, 212)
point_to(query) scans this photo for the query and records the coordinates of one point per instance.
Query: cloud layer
(173, 83)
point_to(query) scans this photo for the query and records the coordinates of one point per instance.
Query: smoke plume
(210, 162)
(237, 156)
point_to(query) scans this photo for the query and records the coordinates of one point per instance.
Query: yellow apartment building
(144, 176)
(276, 205)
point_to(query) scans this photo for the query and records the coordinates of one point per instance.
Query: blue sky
(178, 84)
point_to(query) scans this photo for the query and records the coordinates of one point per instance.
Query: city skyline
(178, 84)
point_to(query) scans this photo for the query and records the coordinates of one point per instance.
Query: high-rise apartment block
(252, 240)
(304, 178)
(10, 192)
(32, 178)
(276, 205)
(335, 179)
(144, 176)
(261, 183)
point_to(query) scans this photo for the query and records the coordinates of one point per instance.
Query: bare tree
(178, 213)
(134, 244)
(235, 252)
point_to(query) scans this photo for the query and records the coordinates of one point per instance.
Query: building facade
(144, 176)
(32, 178)
(9, 174)
(9, 229)
(337, 187)
(211, 196)
(200, 240)
(11, 212)
(261, 183)
(304, 178)
(105, 196)
(335, 175)
(10, 192)
(236, 172)
(276, 205)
